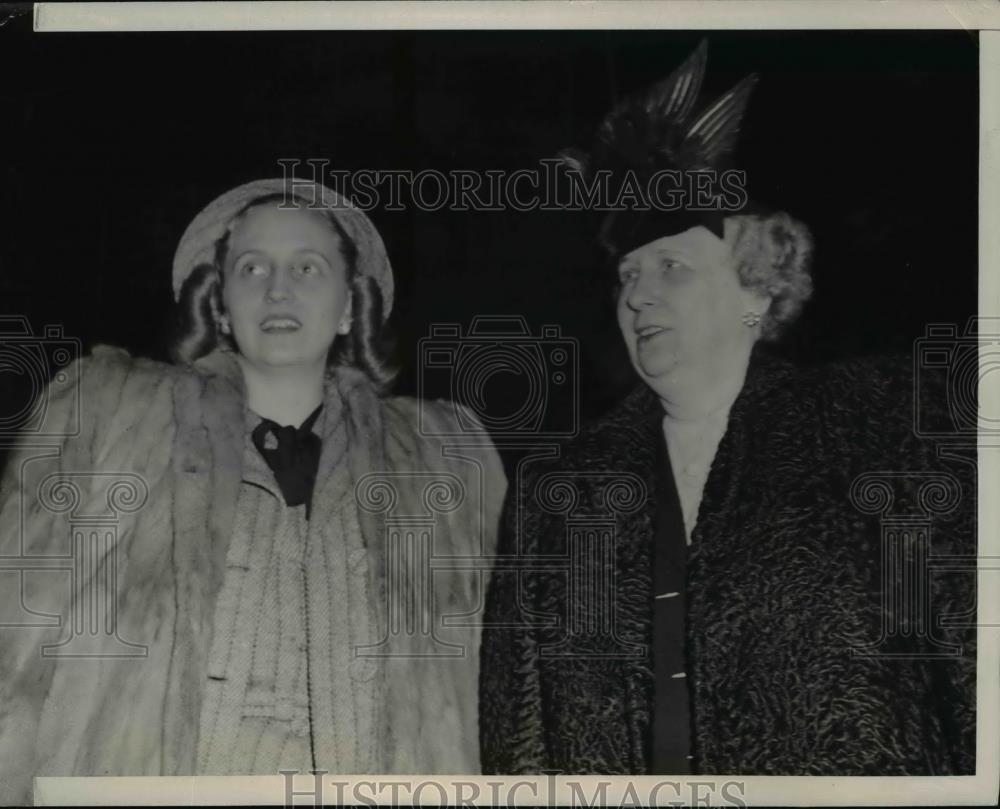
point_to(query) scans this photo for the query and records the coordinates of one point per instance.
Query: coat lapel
(636, 428)
(633, 438)
(208, 468)
(329, 487)
(353, 447)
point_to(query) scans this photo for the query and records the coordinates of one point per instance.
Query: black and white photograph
(531, 404)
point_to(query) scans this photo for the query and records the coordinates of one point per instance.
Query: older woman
(253, 578)
(713, 576)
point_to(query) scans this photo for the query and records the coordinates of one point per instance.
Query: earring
(750, 319)
(223, 325)
(345, 327)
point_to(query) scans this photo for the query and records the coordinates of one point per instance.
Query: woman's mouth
(648, 334)
(280, 324)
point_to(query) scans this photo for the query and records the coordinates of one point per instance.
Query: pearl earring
(223, 325)
(751, 319)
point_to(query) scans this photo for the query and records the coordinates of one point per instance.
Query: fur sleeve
(95, 414)
(443, 436)
(432, 443)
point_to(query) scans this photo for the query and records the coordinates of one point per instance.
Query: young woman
(258, 576)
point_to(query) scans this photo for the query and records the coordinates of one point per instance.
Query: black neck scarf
(293, 457)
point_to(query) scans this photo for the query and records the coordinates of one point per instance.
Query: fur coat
(178, 432)
(799, 659)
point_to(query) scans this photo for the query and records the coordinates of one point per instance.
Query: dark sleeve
(933, 476)
(511, 727)
(953, 579)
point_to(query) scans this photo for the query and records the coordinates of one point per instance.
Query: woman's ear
(755, 301)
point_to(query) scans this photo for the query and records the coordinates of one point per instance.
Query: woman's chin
(657, 366)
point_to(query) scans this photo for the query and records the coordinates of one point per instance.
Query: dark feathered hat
(667, 168)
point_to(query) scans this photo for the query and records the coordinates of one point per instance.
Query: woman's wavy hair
(773, 256)
(199, 308)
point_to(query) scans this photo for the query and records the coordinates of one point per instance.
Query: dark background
(112, 142)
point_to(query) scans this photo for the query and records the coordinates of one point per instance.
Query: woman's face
(285, 289)
(680, 305)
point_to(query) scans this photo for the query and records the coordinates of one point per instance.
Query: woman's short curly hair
(200, 307)
(773, 253)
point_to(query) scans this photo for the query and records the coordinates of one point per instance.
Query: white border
(267, 790)
(988, 636)
(981, 789)
(514, 14)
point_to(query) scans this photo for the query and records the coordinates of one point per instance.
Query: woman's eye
(308, 269)
(674, 270)
(628, 275)
(254, 269)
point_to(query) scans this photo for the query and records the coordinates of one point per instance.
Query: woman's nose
(643, 292)
(278, 287)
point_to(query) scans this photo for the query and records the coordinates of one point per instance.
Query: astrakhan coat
(799, 658)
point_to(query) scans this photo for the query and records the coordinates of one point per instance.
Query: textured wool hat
(197, 245)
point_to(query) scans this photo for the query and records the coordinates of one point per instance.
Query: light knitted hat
(197, 245)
